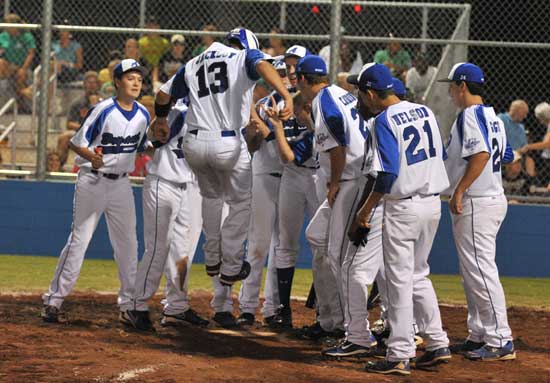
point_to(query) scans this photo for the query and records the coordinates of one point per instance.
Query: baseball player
(106, 144)
(167, 230)
(219, 83)
(408, 157)
(263, 234)
(476, 151)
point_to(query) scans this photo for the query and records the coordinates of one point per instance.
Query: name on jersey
(117, 144)
(214, 55)
(347, 98)
(409, 116)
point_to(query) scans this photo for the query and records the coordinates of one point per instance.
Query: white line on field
(131, 374)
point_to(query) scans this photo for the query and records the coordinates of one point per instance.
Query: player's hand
(288, 111)
(455, 204)
(523, 149)
(253, 127)
(161, 130)
(362, 218)
(332, 193)
(97, 158)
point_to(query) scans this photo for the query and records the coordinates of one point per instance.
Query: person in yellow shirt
(153, 46)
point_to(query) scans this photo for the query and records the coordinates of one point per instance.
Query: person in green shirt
(394, 57)
(17, 50)
(206, 40)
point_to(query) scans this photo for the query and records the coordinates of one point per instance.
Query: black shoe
(190, 316)
(50, 314)
(229, 280)
(431, 358)
(225, 319)
(379, 352)
(282, 319)
(246, 319)
(387, 367)
(212, 271)
(138, 320)
(465, 347)
(314, 332)
(268, 321)
(347, 349)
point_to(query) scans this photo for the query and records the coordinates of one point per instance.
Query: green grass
(31, 274)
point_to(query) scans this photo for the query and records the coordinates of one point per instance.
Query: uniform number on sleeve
(496, 155)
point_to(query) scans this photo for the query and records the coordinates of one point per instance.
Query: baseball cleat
(225, 319)
(418, 340)
(347, 349)
(50, 314)
(431, 358)
(268, 321)
(465, 347)
(491, 354)
(229, 280)
(313, 332)
(282, 320)
(386, 367)
(212, 271)
(138, 320)
(246, 319)
(190, 317)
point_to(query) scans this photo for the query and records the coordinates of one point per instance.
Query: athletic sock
(284, 283)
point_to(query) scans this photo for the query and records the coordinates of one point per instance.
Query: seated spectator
(68, 53)
(131, 49)
(394, 57)
(170, 62)
(77, 113)
(108, 89)
(349, 61)
(277, 46)
(207, 40)
(104, 75)
(418, 78)
(54, 162)
(152, 46)
(17, 50)
(542, 113)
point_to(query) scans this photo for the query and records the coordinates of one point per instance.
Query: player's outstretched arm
(95, 157)
(285, 151)
(270, 75)
(159, 126)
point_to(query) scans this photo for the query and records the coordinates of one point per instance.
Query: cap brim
(353, 79)
(444, 80)
(141, 69)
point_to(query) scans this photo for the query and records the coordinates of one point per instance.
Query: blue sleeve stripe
(460, 126)
(508, 154)
(95, 128)
(177, 125)
(303, 149)
(141, 146)
(388, 148)
(482, 124)
(333, 118)
(253, 57)
(145, 113)
(179, 88)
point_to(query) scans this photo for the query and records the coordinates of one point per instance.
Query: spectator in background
(54, 162)
(418, 78)
(349, 61)
(104, 74)
(77, 112)
(152, 46)
(108, 88)
(207, 40)
(394, 57)
(170, 62)
(277, 46)
(17, 50)
(68, 53)
(131, 49)
(542, 113)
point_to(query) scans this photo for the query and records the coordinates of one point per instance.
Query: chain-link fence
(508, 40)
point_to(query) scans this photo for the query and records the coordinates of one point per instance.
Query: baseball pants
(475, 232)
(409, 227)
(222, 167)
(262, 237)
(94, 196)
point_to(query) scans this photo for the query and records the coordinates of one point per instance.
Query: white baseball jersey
(337, 123)
(219, 84)
(266, 159)
(477, 129)
(367, 159)
(408, 144)
(168, 161)
(119, 133)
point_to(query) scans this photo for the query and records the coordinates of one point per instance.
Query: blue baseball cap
(465, 72)
(311, 64)
(372, 76)
(398, 87)
(128, 65)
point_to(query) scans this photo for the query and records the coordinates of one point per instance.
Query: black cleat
(50, 314)
(316, 332)
(268, 321)
(225, 319)
(246, 319)
(138, 320)
(431, 358)
(190, 317)
(386, 367)
(282, 320)
(229, 280)
(465, 347)
(348, 349)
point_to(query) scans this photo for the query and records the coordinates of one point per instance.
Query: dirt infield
(93, 347)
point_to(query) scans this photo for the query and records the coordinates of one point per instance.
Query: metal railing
(36, 94)
(11, 128)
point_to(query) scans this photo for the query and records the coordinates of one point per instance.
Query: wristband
(162, 110)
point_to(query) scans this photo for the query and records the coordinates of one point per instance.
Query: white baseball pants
(262, 238)
(408, 230)
(475, 232)
(95, 195)
(222, 167)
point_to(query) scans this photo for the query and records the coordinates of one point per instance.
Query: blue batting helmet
(244, 37)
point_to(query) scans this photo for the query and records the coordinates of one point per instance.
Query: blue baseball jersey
(407, 143)
(219, 84)
(169, 161)
(338, 123)
(477, 129)
(118, 132)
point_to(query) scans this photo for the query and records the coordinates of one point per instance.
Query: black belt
(111, 176)
(223, 133)
(410, 197)
(278, 175)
